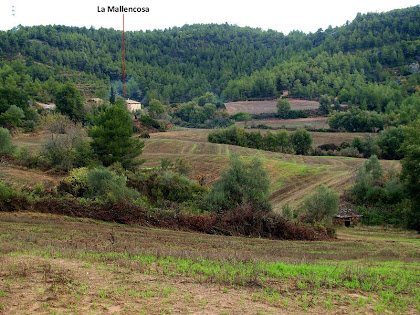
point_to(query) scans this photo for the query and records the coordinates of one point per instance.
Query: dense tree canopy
(411, 171)
(180, 63)
(69, 101)
(371, 62)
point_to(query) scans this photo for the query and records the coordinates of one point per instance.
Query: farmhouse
(49, 106)
(347, 217)
(133, 105)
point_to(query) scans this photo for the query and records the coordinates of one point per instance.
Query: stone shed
(347, 217)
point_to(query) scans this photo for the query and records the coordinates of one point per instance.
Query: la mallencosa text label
(122, 9)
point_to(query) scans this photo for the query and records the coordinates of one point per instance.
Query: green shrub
(103, 184)
(148, 121)
(232, 135)
(6, 146)
(390, 141)
(373, 189)
(162, 185)
(350, 151)
(374, 168)
(175, 187)
(381, 215)
(28, 125)
(241, 185)
(30, 159)
(375, 195)
(395, 191)
(183, 168)
(156, 108)
(321, 206)
(12, 117)
(276, 142)
(325, 102)
(38, 190)
(76, 183)
(6, 192)
(66, 147)
(241, 116)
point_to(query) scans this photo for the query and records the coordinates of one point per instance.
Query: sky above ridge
(283, 16)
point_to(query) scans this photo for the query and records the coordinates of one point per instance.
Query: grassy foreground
(54, 265)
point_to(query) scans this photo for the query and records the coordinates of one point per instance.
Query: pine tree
(112, 96)
(112, 137)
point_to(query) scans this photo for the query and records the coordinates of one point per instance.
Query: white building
(132, 105)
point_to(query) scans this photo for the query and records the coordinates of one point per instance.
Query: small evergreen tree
(112, 137)
(112, 96)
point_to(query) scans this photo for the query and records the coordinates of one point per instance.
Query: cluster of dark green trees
(387, 145)
(299, 141)
(205, 111)
(389, 197)
(177, 64)
(358, 120)
(68, 147)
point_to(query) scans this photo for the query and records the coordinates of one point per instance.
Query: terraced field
(292, 177)
(259, 107)
(309, 123)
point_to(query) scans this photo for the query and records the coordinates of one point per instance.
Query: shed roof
(344, 213)
(132, 102)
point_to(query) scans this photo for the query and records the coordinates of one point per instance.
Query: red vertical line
(123, 52)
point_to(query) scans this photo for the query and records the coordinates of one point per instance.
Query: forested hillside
(370, 61)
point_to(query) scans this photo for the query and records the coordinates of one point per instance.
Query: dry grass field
(60, 265)
(259, 107)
